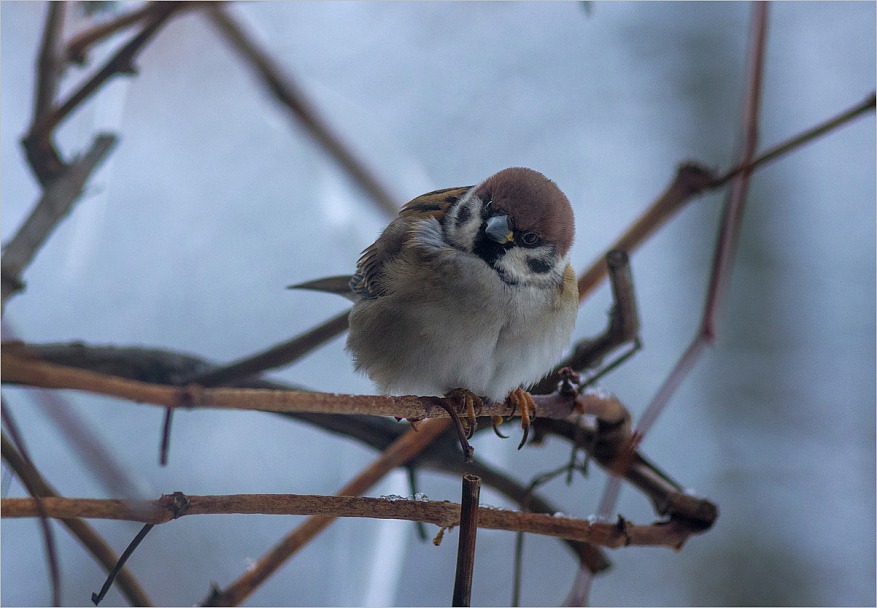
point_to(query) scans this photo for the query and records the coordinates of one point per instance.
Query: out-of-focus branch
(691, 179)
(38, 143)
(57, 200)
(672, 534)
(81, 529)
(293, 99)
(50, 65)
(722, 264)
(276, 356)
(791, 144)
(81, 42)
(28, 475)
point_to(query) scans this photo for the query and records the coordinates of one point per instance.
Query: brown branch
(292, 98)
(691, 179)
(50, 65)
(28, 479)
(466, 546)
(276, 356)
(18, 368)
(604, 442)
(38, 142)
(80, 43)
(445, 514)
(82, 530)
(791, 144)
(58, 198)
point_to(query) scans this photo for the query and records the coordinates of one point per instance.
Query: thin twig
(444, 514)
(90, 539)
(693, 179)
(291, 97)
(129, 550)
(57, 200)
(793, 143)
(39, 507)
(623, 325)
(466, 545)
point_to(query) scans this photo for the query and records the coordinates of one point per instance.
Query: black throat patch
(490, 251)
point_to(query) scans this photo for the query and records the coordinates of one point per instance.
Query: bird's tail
(339, 285)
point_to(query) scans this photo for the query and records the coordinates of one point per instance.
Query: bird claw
(521, 400)
(497, 420)
(470, 403)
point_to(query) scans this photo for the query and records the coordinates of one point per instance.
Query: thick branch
(441, 513)
(21, 369)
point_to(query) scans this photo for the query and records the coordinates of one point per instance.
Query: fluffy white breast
(449, 321)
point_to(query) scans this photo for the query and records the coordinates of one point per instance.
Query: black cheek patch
(538, 265)
(463, 216)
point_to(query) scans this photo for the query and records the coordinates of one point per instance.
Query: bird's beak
(498, 229)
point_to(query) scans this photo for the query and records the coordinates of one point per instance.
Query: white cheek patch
(463, 221)
(539, 266)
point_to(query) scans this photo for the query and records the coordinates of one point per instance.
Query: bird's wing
(368, 280)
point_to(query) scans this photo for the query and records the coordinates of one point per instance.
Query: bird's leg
(521, 400)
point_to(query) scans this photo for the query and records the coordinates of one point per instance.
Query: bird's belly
(427, 349)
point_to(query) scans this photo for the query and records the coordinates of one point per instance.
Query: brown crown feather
(534, 203)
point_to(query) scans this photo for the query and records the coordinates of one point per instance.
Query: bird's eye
(530, 239)
(488, 205)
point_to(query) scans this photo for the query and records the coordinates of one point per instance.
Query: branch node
(177, 503)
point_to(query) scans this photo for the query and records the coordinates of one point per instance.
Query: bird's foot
(470, 404)
(521, 400)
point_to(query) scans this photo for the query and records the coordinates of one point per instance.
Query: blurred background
(214, 201)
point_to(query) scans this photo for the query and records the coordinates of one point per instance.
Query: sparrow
(468, 292)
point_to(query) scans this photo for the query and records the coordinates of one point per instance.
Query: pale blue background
(213, 202)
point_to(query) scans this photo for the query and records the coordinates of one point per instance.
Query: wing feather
(368, 280)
